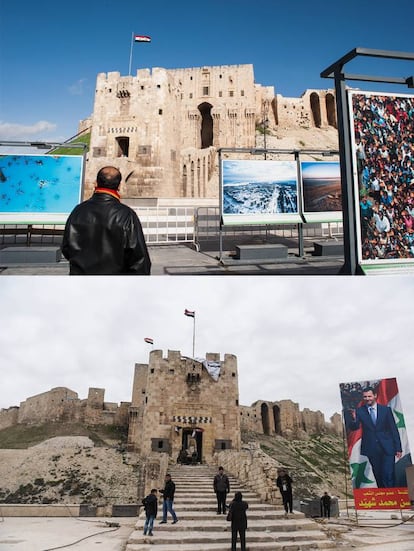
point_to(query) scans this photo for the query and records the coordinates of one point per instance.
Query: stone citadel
(162, 128)
(176, 402)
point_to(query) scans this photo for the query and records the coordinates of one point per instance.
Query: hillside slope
(316, 464)
(72, 464)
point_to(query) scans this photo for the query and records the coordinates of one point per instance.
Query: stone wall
(284, 418)
(9, 417)
(176, 403)
(60, 405)
(254, 469)
(162, 127)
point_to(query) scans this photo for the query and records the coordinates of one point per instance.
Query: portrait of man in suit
(380, 440)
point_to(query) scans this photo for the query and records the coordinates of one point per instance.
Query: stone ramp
(200, 528)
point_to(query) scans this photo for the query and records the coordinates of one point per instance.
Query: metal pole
(220, 208)
(130, 54)
(194, 336)
(300, 207)
(347, 187)
(346, 463)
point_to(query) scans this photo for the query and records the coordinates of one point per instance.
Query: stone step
(200, 528)
(256, 546)
(209, 501)
(201, 514)
(211, 508)
(220, 524)
(199, 538)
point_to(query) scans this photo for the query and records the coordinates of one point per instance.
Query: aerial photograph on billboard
(322, 195)
(259, 192)
(39, 188)
(382, 137)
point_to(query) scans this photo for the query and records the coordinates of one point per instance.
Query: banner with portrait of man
(378, 449)
(382, 140)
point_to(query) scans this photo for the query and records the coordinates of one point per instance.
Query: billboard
(321, 189)
(259, 192)
(39, 188)
(378, 449)
(382, 137)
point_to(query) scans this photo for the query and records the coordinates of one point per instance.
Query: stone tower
(179, 402)
(162, 127)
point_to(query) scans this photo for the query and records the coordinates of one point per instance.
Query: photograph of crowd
(383, 144)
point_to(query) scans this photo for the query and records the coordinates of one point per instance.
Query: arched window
(206, 125)
(276, 419)
(330, 110)
(316, 109)
(265, 418)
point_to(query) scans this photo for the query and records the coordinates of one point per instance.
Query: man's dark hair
(369, 389)
(109, 177)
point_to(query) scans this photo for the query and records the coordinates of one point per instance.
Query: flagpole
(194, 336)
(130, 54)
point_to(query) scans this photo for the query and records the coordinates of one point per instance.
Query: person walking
(284, 483)
(221, 487)
(326, 505)
(237, 516)
(102, 236)
(168, 495)
(150, 503)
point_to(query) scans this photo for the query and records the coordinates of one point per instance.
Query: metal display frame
(296, 153)
(336, 71)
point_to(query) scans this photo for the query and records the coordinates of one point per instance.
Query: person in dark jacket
(151, 508)
(284, 483)
(237, 513)
(326, 505)
(103, 236)
(168, 495)
(221, 487)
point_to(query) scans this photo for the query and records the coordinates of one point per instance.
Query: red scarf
(112, 192)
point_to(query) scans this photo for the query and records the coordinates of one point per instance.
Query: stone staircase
(201, 529)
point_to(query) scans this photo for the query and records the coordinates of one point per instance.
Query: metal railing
(167, 224)
(180, 224)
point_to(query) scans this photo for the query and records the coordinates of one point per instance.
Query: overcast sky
(294, 338)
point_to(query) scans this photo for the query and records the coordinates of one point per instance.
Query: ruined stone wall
(61, 404)
(181, 400)
(314, 109)
(284, 418)
(55, 405)
(9, 417)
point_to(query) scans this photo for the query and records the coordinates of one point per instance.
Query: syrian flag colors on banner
(142, 38)
(189, 313)
(366, 493)
(148, 340)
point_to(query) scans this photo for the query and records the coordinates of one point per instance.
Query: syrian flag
(189, 313)
(142, 38)
(361, 471)
(148, 340)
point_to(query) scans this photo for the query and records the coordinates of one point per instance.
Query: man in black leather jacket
(103, 236)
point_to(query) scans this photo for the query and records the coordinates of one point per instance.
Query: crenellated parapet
(182, 402)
